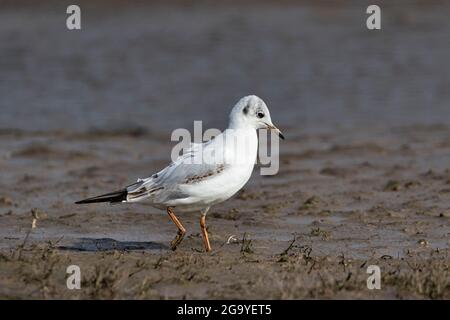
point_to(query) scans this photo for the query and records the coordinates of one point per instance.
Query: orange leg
(181, 230)
(205, 233)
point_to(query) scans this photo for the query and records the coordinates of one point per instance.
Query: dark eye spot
(245, 110)
(260, 115)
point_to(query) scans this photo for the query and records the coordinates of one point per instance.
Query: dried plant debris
(395, 185)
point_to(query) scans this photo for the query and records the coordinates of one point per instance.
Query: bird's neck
(241, 141)
(237, 123)
(240, 128)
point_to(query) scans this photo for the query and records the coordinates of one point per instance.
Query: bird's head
(251, 111)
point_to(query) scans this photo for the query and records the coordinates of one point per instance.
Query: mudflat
(364, 174)
(337, 205)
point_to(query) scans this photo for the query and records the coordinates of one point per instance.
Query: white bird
(191, 183)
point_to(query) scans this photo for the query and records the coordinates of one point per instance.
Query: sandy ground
(364, 179)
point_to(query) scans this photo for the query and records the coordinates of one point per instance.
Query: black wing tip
(85, 201)
(81, 202)
(112, 197)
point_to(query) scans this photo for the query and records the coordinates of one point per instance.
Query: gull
(206, 173)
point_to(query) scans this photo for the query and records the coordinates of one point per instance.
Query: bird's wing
(188, 168)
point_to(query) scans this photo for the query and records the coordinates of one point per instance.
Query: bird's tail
(112, 197)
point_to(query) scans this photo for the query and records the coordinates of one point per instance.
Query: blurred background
(364, 170)
(149, 65)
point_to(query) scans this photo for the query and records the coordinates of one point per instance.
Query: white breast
(240, 155)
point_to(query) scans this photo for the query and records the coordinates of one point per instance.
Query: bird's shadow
(107, 244)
